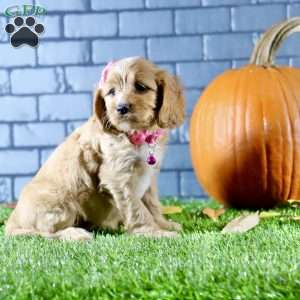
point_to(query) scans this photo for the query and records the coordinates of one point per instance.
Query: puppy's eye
(141, 87)
(111, 92)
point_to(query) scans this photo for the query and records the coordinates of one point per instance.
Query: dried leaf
(269, 214)
(296, 218)
(169, 210)
(213, 214)
(242, 224)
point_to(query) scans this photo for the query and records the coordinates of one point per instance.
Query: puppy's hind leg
(55, 222)
(68, 234)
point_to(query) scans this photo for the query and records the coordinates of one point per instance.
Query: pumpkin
(245, 129)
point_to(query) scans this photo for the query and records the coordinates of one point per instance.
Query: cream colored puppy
(105, 173)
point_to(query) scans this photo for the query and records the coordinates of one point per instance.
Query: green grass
(263, 263)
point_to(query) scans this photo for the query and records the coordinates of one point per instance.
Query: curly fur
(97, 178)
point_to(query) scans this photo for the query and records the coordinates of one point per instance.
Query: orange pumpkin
(245, 130)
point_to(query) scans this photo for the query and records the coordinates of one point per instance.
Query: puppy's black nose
(123, 109)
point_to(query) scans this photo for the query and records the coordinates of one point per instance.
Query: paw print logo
(24, 32)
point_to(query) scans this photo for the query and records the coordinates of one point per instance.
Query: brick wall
(46, 92)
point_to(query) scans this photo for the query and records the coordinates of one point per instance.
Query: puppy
(104, 174)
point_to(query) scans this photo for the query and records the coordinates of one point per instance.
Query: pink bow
(144, 136)
(104, 73)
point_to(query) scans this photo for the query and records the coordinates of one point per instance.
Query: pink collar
(140, 137)
(149, 138)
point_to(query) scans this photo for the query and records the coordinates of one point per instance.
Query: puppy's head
(135, 94)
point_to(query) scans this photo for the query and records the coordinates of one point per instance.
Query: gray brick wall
(46, 92)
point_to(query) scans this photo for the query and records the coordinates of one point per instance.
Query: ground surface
(201, 264)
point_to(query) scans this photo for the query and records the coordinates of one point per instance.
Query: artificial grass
(202, 263)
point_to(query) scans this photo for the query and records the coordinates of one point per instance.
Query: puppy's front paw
(169, 225)
(175, 226)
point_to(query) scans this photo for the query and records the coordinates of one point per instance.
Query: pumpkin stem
(268, 44)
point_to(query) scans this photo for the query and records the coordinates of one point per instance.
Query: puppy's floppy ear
(170, 100)
(99, 105)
